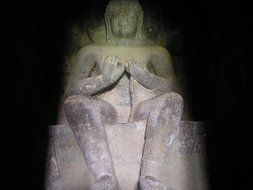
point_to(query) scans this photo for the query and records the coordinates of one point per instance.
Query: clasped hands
(113, 69)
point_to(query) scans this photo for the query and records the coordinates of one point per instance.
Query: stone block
(183, 170)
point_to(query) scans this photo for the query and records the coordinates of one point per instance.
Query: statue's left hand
(137, 70)
(149, 80)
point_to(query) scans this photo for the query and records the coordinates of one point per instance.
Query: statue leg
(163, 116)
(86, 117)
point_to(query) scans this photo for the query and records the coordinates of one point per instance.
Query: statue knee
(77, 104)
(173, 98)
(171, 103)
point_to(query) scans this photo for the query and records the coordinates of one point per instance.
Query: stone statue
(121, 81)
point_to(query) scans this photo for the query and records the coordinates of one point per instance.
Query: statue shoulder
(88, 49)
(160, 51)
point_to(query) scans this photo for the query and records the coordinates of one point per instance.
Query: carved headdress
(114, 7)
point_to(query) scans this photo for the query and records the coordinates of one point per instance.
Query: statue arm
(89, 86)
(163, 80)
(81, 83)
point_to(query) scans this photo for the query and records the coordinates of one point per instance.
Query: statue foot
(151, 183)
(106, 183)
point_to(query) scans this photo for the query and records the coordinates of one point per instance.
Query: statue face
(124, 25)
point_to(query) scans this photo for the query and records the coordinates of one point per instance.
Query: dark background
(217, 51)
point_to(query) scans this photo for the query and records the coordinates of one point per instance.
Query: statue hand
(112, 69)
(136, 69)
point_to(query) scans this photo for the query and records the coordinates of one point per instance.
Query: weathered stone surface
(184, 169)
(67, 159)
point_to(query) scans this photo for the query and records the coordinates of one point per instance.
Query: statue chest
(140, 55)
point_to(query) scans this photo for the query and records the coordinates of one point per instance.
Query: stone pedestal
(184, 169)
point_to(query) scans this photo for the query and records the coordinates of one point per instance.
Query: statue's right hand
(112, 69)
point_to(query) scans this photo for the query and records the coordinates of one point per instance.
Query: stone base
(184, 169)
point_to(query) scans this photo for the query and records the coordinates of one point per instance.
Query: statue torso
(127, 92)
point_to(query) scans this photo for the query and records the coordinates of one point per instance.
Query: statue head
(123, 19)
